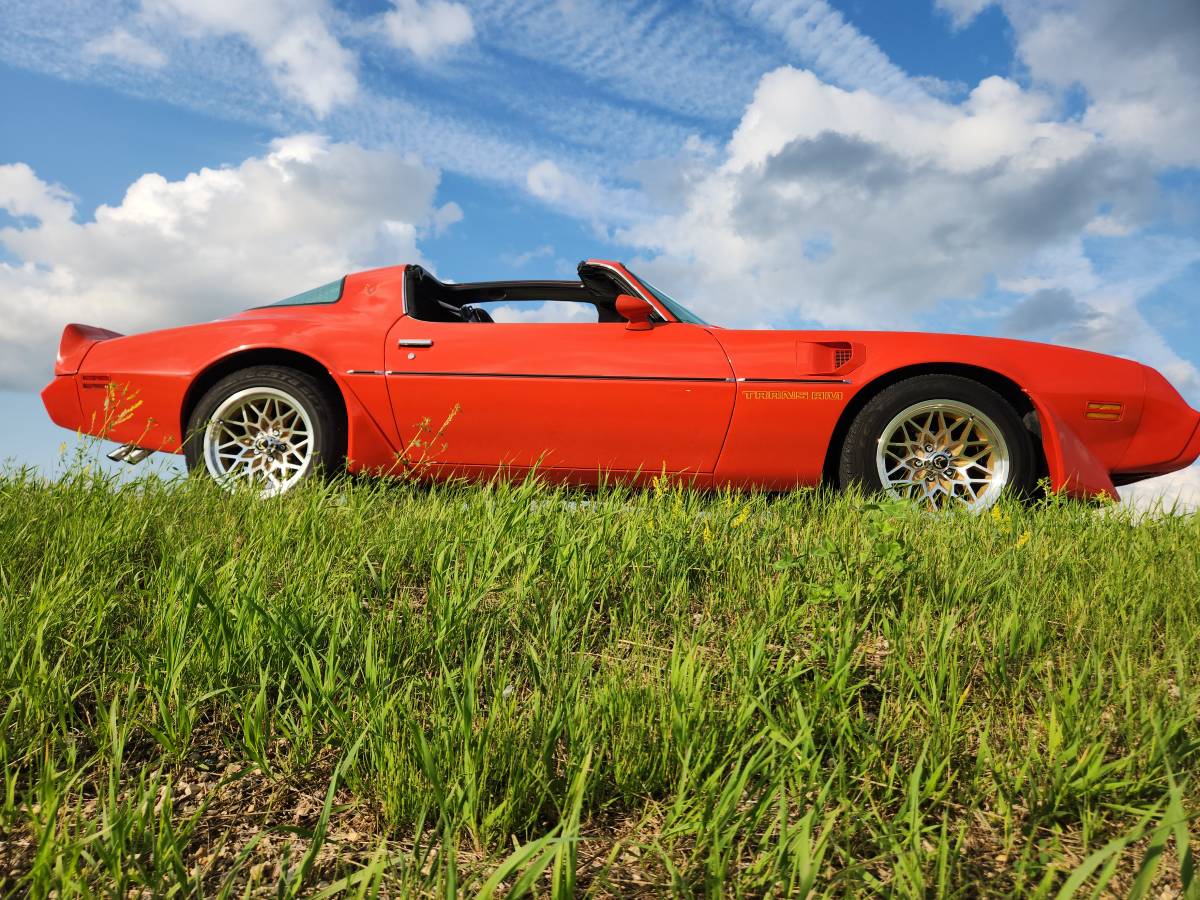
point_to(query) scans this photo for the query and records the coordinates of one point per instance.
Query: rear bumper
(61, 399)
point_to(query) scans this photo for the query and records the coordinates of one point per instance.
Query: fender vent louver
(828, 357)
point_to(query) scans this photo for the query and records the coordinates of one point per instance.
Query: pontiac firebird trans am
(392, 371)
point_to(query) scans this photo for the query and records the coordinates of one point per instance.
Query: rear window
(326, 293)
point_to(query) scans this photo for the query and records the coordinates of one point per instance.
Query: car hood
(797, 354)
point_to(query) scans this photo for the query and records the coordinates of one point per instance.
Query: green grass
(378, 687)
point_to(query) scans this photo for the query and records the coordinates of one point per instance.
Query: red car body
(765, 409)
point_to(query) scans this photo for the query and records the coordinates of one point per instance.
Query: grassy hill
(373, 687)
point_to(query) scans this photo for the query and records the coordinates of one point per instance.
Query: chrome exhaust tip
(129, 453)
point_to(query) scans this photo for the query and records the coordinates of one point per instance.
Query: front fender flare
(1073, 469)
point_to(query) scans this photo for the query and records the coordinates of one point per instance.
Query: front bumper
(1149, 467)
(1191, 452)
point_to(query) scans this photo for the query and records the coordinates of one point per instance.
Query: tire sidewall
(857, 463)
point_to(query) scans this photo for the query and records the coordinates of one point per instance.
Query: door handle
(416, 342)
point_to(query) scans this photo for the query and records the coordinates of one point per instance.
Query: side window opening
(510, 311)
(506, 302)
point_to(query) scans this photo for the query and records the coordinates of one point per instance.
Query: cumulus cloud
(428, 29)
(120, 44)
(292, 38)
(24, 195)
(912, 202)
(1137, 62)
(213, 242)
(1148, 101)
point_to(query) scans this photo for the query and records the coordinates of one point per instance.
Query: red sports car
(392, 371)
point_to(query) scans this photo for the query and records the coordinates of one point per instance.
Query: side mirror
(635, 311)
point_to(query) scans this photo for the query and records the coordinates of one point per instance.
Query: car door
(578, 396)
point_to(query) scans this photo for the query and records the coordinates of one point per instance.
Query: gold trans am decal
(792, 395)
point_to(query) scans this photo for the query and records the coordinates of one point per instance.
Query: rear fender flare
(364, 438)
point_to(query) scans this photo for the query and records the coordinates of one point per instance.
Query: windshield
(678, 310)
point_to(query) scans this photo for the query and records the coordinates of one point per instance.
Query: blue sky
(1011, 167)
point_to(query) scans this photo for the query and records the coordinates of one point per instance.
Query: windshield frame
(674, 307)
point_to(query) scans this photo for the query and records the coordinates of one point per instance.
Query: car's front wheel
(942, 441)
(266, 428)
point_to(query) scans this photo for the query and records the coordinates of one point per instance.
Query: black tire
(328, 434)
(857, 464)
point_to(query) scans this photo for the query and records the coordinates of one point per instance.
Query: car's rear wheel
(942, 441)
(266, 428)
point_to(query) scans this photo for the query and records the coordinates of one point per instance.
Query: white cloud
(23, 194)
(697, 59)
(584, 198)
(828, 44)
(120, 44)
(997, 123)
(1109, 226)
(445, 216)
(914, 202)
(962, 12)
(1069, 302)
(292, 38)
(685, 58)
(1178, 492)
(547, 181)
(428, 29)
(1138, 62)
(543, 313)
(213, 242)
(520, 260)
(854, 209)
